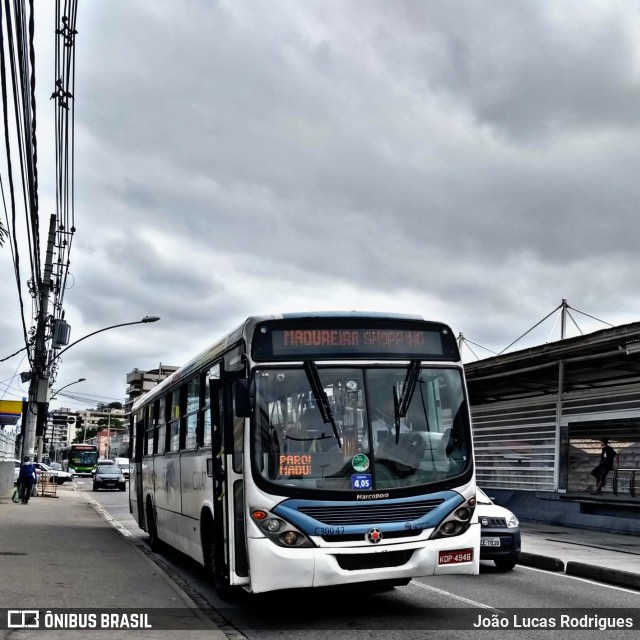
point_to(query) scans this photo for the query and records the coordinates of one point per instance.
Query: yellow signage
(10, 411)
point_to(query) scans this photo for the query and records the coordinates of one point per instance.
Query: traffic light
(60, 419)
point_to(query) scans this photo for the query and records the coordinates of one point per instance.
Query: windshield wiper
(401, 402)
(321, 397)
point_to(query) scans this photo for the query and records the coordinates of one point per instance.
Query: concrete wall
(6, 475)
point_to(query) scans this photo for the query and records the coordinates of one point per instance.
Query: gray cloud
(467, 161)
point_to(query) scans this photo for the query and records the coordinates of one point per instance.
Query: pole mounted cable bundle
(46, 282)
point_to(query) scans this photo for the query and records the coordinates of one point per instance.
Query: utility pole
(108, 434)
(39, 382)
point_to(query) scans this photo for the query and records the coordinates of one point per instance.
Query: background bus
(82, 458)
(312, 450)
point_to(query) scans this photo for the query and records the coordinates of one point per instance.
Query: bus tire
(225, 591)
(152, 530)
(505, 564)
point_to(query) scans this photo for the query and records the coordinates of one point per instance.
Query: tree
(89, 432)
(111, 405)
(112, 423)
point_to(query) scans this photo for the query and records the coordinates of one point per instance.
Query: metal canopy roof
(599, 359)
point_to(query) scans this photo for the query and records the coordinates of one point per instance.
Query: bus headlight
(279, 531)
(290, 538)
(272, 525)
(456, 522)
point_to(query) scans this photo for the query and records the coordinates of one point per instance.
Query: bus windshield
(85, 458)
(350, 434)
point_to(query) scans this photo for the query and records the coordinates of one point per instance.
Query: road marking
(473, 603)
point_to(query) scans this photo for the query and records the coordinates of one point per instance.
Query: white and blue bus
(309, 450)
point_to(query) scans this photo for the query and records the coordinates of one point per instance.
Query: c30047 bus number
(455, 557)
(329, 531)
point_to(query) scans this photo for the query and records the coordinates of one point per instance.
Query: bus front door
(228, 557)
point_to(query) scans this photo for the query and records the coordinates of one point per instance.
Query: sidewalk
(59, 553)
(596, 555)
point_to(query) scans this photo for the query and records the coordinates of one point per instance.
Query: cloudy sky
(472, 162)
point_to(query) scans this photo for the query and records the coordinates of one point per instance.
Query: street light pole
(40, 383)
(144, 320)
(57, 391)
(40, 439)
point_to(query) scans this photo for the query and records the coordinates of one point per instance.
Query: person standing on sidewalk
(26, 478)
(607, 457)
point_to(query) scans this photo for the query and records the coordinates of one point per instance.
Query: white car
(60, 476)
(500, 538)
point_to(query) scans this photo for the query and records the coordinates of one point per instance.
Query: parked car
(109, 476)
(500, 538)
(123, 463)
(60, 476)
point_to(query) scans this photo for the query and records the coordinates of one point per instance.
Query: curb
(540, 562)
(616, 577)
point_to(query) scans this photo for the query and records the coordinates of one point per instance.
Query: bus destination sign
(314, 342)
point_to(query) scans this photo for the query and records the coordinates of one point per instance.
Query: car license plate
(489, 542)
(455, 556)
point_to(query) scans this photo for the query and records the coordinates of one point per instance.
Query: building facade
(140, 382)
(538, 415)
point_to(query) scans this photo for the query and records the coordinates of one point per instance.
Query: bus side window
(192, 411)
(208, 419)
(162, 424)
(149, 425)
(174, 423)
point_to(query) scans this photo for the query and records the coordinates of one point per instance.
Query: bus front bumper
(274, 567)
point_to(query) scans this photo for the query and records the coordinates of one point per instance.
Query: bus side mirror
(243, 402)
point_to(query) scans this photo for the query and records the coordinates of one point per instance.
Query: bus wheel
(221, 583)
(505, 564)
(154, 541)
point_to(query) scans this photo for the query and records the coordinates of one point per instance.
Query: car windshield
(109, 469)
(340, 429)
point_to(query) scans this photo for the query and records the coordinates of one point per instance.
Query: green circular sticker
(360, 462)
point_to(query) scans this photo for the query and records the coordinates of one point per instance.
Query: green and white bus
(82, 459)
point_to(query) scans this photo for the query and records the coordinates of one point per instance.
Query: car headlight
(512, 522)
(121, 478)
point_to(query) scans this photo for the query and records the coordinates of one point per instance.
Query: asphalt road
(442, 607)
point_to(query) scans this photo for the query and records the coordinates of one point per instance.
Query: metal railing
(632, 481)
(48, 487)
